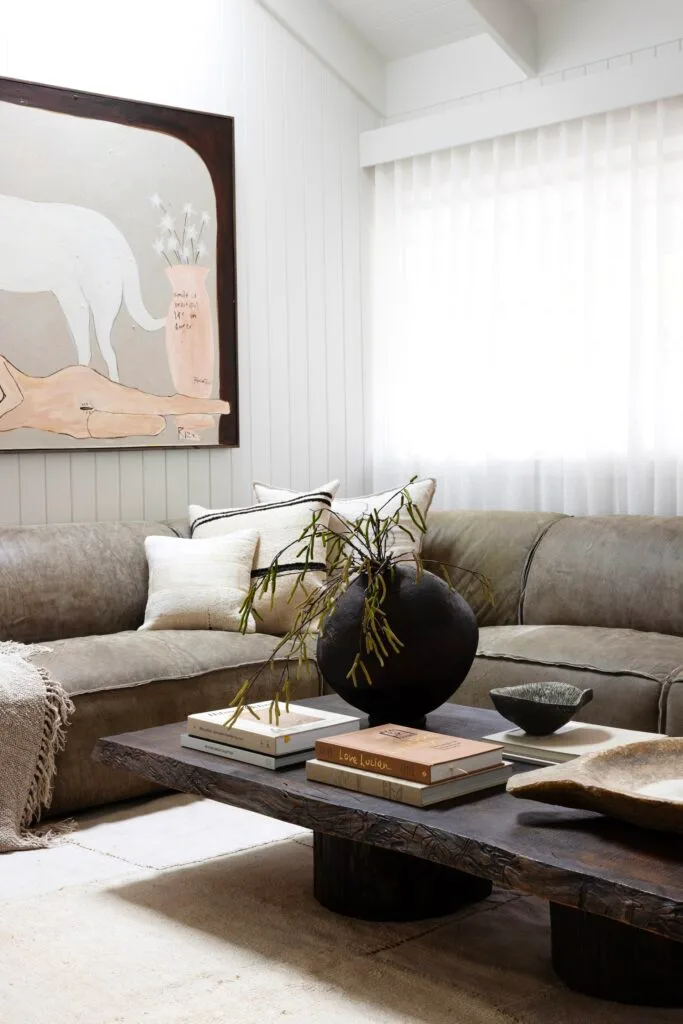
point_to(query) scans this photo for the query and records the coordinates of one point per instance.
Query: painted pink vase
(190, 342)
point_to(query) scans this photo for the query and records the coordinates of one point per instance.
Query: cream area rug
(183, 911)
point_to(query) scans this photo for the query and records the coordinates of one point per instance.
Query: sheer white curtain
(527, 343)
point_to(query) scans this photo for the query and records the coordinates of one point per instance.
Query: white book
(244, 756)
(572, 740)
(417, 794)
(297, 729)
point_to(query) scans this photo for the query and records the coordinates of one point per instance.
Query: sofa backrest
(80, 579)
(619, 571)
(497, 544)
(75, 579)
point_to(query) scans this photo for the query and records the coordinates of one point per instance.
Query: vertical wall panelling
(301, 210)
(10, 506)
(296, 271)
(334, 278)
(314, 282)
(132, 487)
(277, 131)
(219, 479)
(108, 485)
(58, 488)
(83, 486)
(365, 217)
(154, 484)
(351, 183)
(31, 488)
(177, 490)
(236, 33)
(255, 238)
(199, 478)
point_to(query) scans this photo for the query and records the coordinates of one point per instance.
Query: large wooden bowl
(640, 782)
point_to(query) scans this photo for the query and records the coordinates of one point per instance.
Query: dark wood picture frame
(212, 137)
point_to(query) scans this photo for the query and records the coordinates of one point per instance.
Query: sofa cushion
(497, 544)
(671, 717)
(134, 680)
(74, 579)
(136, 658)
(299, 567)
(199, 584)
(623, 572)
(627, 669)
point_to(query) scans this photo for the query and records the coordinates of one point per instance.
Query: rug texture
(34, 715)
(185, 911)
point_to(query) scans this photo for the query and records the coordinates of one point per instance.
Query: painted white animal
(80, 256)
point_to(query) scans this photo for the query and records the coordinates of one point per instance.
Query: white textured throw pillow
(421, 493)
(279, 524)
(199, 584)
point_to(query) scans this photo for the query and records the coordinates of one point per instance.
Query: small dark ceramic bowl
(540, 708)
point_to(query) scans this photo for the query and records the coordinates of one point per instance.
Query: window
(528, 317)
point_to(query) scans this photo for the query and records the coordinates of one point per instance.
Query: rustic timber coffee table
(615, 891)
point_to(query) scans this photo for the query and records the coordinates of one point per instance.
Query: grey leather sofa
(594, 601)
(81, 589)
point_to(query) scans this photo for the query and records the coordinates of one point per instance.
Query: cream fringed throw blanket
(34, 715)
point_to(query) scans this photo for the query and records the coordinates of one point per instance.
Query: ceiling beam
(513, 26)
(584, 96)
(321, 29)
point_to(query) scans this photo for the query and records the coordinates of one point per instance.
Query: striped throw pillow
(401, 546)
(279, 524)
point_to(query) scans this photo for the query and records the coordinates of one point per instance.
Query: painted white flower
(155, 200)
(158, 246)
(205, 218)
(191, 233)
(201, 249)
(171, 243)
(186, 255)
(188, 209)
(167, 222)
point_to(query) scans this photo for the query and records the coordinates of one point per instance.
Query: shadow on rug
(487, 964)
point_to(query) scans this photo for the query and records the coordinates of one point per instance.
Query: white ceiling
(538, 5)
(399, 28)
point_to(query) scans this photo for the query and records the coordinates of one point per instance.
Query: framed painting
(118, 323)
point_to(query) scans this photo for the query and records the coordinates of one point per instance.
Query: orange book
(413, 754)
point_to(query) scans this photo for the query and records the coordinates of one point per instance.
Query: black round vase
(439, 634)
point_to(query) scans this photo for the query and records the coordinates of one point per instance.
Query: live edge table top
(575, 858)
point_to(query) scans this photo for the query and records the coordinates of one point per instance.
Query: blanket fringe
(54, 833)
(58, 710)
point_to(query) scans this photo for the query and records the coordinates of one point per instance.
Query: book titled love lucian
(413, 754)
(403, 790)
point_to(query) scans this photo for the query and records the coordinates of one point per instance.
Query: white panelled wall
(302, 202)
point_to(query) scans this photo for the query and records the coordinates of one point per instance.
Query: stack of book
(573, 740)
(411, 766)
(255, 738)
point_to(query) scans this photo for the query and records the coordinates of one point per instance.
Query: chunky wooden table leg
(601, 957)
(375, 884)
